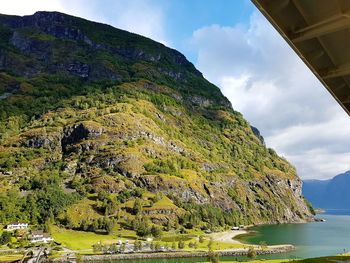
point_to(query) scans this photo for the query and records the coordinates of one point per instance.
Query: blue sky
(184, 17)
(234, 46)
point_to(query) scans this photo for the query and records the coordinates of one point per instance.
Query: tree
(263, 244)
(97, 247)
(5, 238)
(141, 226)
(213, 257)
(156, 231)
(181, 244)
(201, 239)
(210, 244)
(122, 247)
(110, 224)
(137, 245)
(251, 253)
(173, 246)
(168, 226)
(157, 246)
(137, 206)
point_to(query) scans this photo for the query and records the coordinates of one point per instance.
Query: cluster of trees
(15, 239)
(105, 248)
(126, 194)
(170, 166)
(37, 207)
(96, 225)
(212, 217)
(9, 160)
(144, 227)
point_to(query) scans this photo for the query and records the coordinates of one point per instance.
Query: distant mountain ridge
(329, 194)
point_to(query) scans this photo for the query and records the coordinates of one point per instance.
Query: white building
(17, 225)
(40, 237)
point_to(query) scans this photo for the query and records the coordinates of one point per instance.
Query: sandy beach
(228, 236)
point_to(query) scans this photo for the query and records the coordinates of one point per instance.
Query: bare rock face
(78, 68)
(39, 138)
(79, 132)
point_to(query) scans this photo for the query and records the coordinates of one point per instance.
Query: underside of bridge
(319, 32)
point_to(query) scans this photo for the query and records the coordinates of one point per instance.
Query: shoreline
(182, 254)
(226, 236)
(229, 236)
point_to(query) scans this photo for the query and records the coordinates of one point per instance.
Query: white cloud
(141, 17)
(271, 86)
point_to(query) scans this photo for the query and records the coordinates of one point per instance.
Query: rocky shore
(183, 254)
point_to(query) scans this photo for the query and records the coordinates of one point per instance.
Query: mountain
(329, 194)
(99, 126)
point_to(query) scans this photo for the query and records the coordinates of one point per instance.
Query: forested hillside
(101, 127)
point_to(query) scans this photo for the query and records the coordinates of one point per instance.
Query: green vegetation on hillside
(102, 130)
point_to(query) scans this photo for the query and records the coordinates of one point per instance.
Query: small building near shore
(17, 225)
(40, 237)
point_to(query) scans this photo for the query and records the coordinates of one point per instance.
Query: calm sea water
(311, 239)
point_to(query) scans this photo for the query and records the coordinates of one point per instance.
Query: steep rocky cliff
(116, 125)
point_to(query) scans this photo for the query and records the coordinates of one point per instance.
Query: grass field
(80, 240)
(219, 245)
(10, 258)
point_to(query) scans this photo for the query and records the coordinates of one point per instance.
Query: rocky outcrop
(78, 132)
(40, 138)
(258, 135)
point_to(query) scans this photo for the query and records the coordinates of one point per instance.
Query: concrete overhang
(319, 32)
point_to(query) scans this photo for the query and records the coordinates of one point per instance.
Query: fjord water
(311, 239)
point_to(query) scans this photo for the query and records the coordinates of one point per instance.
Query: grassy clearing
(164, 203)
(80, 240)
(10, 258)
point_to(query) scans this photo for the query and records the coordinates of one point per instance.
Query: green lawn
(10, 258)
(219, 245)
(80, 240)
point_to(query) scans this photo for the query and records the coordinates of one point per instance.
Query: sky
(235, 47)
